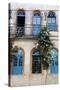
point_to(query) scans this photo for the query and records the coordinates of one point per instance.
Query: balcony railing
(20, 32)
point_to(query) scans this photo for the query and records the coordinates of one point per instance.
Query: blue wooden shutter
(17, 65)
(54, 61)
(52, 21)
(36, 24)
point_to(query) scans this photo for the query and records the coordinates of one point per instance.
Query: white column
(13, 22)
(28, 22)
(44, 18)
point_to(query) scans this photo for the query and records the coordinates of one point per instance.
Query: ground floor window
(36, 62)
(54, 61)
(17, 62)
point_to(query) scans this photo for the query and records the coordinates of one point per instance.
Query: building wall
(28, 44)
(29, 9)
(28, 78)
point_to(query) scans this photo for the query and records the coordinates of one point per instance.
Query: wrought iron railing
(16, 31)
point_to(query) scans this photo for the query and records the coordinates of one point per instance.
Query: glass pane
(17, 66)
(54, 61)
(20, 61)
(53, 20)
(53, 53)
(36, 30)
(15, 61)
(49, 20)
(34, 20)
(36, 65)
(38, 20)
(36, 53)
(51, 14)
(51, 26)
(36, 27)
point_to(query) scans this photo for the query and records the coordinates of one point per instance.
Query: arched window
(51, 21)
(20, 22)
(54, 61)
(36, 62)
(17, 62)
(36, 23)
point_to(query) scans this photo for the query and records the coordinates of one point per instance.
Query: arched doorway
(20, 22)
(54, 61)
(36, 62)
(17, 62)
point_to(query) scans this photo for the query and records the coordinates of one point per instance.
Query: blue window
(52, 21)
(20, 22)
(36, 62)
(36, 23)
(54, 61)
(17, 63)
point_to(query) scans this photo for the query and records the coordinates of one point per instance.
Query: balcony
(20, 32)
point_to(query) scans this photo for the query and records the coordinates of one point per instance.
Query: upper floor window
(20, 22)
(51, 21)
(36, 23)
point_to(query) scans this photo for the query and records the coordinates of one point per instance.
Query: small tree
(44, 44)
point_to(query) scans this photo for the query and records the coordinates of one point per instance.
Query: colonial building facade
(25, 22)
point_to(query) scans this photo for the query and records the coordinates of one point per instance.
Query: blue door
(54, 61)
(51, 21)
(36, 24)
(36, 62)
(17, 65)
(20, 23)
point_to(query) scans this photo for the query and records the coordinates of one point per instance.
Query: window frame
(49, 25)
(52, 60)
(31, 63)
(36, 14)
(23, 62)
(17, 27)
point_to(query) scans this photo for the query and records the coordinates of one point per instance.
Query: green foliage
(44, 44)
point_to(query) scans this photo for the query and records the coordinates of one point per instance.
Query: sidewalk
(51, 78)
